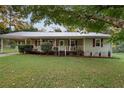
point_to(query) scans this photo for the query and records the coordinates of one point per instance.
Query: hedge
(46, 47)
(25, 48)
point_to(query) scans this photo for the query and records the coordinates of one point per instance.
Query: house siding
(80, 43)
(84, 44)
(89, 49)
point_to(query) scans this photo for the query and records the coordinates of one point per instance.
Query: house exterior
(89, 44)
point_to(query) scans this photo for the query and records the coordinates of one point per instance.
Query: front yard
(53, 71)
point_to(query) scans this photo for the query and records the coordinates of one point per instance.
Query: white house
(89, 44)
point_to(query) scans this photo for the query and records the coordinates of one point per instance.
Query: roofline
(9, 36)
(55, 37)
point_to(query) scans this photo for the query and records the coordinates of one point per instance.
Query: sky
(40, 25)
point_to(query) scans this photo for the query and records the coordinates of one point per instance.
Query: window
(73, 43)
(97, 43)
(44, 40)
(35, 42)
(38, 42)
(19, 42)
(51, 41)
(61, 43)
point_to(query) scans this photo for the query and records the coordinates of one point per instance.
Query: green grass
(9, 50)
(53, 71)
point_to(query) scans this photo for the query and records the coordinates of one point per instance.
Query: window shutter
(93, 42)
(76, 42)
(101, 42)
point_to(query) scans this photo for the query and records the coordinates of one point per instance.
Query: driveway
(7, 54)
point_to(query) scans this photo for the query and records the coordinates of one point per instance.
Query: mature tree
(27, 28)
(3, 20)
(106, 19)
(12, 16)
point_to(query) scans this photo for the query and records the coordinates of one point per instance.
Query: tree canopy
(104, 18)
(12, 16)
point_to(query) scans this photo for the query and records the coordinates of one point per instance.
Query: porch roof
(55, 35)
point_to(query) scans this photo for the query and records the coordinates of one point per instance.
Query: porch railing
(69, 48)
(62, 48)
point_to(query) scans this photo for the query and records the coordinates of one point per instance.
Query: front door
(73, 45)
(61, 45)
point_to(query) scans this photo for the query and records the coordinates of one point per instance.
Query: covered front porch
(67, 46)
(62, 43)
(62, 46)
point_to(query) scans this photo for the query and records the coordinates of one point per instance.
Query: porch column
(65, 50)
(69, 44)
(25, 41)
(55, 42)
(31, 41)
(1, 45)
(40, 45)
(17, 44)
(82, 46)
(20, 42)
(40, 42)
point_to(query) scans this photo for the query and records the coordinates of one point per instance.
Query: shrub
(28, 48)
(12, 44)
(25, 48)
(55, 48)
(46, 47)
(21, 48)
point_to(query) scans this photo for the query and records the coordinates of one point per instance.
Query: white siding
(96, 50)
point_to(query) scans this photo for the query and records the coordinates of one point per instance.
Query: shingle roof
(22, 35)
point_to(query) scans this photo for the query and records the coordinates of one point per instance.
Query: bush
(21, 48)
(25, 48)
(46, 47)
(12, 44)
(55, 48)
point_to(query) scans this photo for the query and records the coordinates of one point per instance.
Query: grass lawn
(9, 50)
(53, 71)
